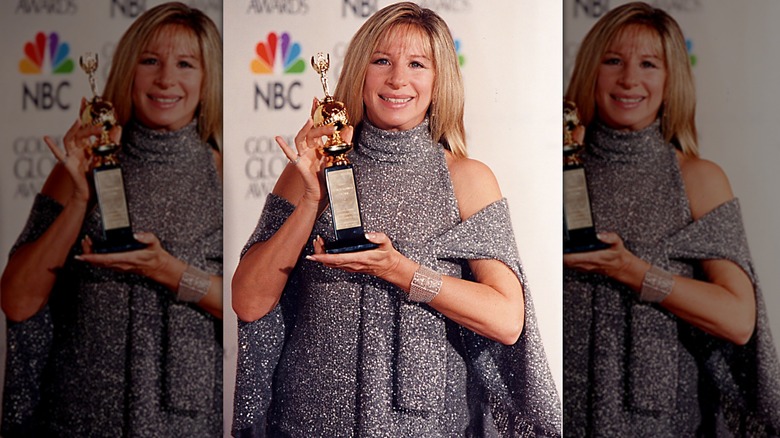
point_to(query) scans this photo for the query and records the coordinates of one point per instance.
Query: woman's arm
(724, 305)
(264, 269)
(32, 269)
(492, 305)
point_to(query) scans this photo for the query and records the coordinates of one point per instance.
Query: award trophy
(339, 172)
(579, 234)
(106, 173)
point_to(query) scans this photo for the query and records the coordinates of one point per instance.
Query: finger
(287, 150)
(319, 245)
(147, 238)
(346, 133)
(380, 239)
(302, 135)
(86, 245)
(315, 103)
(115, 134)
(58, 153)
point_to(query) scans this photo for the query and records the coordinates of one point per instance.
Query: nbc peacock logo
(35, 54)
(267, 54)
(461, 57)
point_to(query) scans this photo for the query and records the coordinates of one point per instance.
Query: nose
(629, 76)
(397, 78)
(165, 76)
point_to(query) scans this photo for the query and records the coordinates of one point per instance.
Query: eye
(185, 64)
(611, 61)
(381, 61)
(148, 60)
(649, 64)
(416, 64)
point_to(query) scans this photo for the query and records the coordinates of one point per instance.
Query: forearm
(170, 275)
(32, 270)
(724, 307)
(493, 308)
(262, 273)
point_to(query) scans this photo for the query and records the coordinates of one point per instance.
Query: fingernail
(78, 257)
(308, 257)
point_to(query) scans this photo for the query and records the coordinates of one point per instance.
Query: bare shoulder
(474, 184)
(706, 184)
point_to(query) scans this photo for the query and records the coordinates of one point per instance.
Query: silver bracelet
(426, 284)
(656, 285)
(194, 285)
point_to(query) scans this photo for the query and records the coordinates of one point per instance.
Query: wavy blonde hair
(678, 110)
(447, 101)
(150, 25)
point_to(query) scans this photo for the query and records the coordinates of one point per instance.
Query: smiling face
(631, 79)
(399, 79)
(168, 79)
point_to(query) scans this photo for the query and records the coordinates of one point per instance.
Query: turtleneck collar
(140, 141)
(626, 146)
(396, 146)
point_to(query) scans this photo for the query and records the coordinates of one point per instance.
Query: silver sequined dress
(114, 354)
(346, 355)
(633, 368)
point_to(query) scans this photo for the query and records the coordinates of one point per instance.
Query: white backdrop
(733, 46)
(512, 74)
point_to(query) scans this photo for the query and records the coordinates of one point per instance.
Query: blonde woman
(431, 333)
(128, 343)
(664, 331)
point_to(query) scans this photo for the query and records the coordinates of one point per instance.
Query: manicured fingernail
(308, 257)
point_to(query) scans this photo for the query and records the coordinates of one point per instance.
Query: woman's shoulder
(706, 184)
(474, 184)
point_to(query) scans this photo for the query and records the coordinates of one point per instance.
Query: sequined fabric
(348, 355)
(633, 368)
(114, 355)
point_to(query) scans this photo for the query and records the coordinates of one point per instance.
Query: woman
(129, 343)
(665, 330)
(430, 334)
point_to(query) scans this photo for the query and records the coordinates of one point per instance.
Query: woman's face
(168, 79)
(631, 79)
(399, 80)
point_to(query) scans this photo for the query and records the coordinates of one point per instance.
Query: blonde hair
(678, 110)
(146, 28)
(447, 101)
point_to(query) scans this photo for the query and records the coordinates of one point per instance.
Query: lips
(628, 99)
(165, 100)
(397, 100)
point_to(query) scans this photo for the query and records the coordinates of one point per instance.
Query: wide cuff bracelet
(656, 285)
(194, 285)
(426, 284)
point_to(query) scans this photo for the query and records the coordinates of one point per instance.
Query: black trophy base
(582, 242)
(111, 244)
(349, 245)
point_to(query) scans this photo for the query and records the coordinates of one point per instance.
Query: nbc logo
(267, 51)
(35, 52)
(461, 58)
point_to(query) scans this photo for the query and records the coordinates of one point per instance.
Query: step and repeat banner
(41, 86)
(510, 59)
(733, 49)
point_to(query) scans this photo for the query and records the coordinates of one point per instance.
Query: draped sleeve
(28, 342)
(747, 376)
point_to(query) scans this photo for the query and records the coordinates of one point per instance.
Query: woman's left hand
(152, 261)
(615, 262)
(379, 262)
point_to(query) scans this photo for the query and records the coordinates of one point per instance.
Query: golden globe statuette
(579, 234)
(117, 234)
(339, 172)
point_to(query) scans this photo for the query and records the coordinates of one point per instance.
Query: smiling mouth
(396, 100)
(628, 99)
(165, 99)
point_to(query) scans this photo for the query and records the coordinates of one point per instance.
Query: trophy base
(349, 245)
(111, 246)
(584, 242)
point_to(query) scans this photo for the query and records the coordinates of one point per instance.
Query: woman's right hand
(308, 158)
(76, 155)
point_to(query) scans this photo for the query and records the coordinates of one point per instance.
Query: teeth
(393, 100)
(627, 100)
(162, 100)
